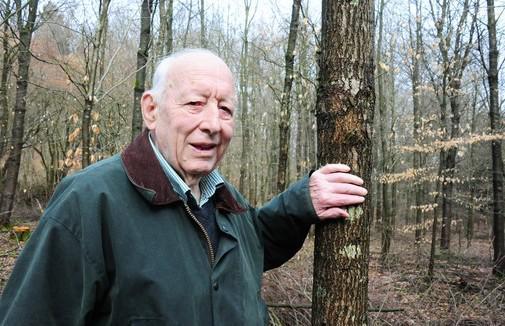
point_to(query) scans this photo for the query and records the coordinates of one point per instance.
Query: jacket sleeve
(284, 223)
(53, 282)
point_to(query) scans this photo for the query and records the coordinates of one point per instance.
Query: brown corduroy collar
(144, 171)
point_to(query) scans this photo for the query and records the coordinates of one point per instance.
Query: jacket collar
(145, 173)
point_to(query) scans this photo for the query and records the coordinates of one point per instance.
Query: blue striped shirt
(208, 183)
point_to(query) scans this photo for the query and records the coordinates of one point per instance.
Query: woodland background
(84, 65)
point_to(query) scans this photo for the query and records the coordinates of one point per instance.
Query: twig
(309, 306)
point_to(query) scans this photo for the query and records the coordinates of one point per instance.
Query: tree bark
(470, 218)
(244, 100)
(4, 76)
(203, 38)
(496, 151)
(17, 134)
(345, 107)
(285, 116)
(416, 43)
(142, 58)
(381, 104)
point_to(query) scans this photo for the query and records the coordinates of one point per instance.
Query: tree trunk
(203, 39)
(416, 82)
(142, 57)
(496, 151)
(17, 134)
(92, 83)
(4, 77)
(285, 116)
(345, 106)
(244, 100)
(381, 104)
(470, 219)
(431, 262)
(188, 24)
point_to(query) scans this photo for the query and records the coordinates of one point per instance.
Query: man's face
(194, 118)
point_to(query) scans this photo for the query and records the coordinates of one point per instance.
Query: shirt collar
(208, 183)
(146, 174)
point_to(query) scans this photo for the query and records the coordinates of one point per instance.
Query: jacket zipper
(206, 235)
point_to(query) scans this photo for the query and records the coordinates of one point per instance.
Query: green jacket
(116, 246)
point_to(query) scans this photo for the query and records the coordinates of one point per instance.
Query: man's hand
(332, 188)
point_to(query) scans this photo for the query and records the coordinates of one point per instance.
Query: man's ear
(149, 110)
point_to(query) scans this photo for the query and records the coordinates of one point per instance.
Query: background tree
(142, 58)
(26, 29)
(345, 107)
(285, 114)
(7, 61)
(496, 150)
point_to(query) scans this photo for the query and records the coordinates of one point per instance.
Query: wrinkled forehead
(196, 68)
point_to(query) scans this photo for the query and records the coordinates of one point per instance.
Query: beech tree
(344, 110)
(7, 61)
(496, 148)
(142, 58)
(284, 123)
(26, 29)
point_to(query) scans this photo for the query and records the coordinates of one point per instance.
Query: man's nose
(210, 120)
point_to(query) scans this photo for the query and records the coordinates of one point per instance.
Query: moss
(351, 251)
(355, 213)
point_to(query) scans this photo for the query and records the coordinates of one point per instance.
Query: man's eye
(196, 103)
(226, 110)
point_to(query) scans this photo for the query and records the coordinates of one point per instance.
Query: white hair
(162, 73)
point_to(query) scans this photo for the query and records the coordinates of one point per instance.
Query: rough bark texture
(4, 75)
(285, 117)
(142, 57)
(345, 106)
(496, 151)
(18, 127)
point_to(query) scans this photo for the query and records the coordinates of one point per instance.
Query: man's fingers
(332, 168)
(343, 200)
(334, 212)
(348, 189)
(344, 178)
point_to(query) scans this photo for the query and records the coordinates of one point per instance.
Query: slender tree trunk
(416, 94)
(244, 100)
(382, 105)
(169, 47)
(188, 24)
(471, 202)
(165, 38)
(142, 58)
(431, 263)
(203, 38)
(496, 151)
(17, 134)
(4, 78)
(345, 106)
(93, 81)
(285, 116)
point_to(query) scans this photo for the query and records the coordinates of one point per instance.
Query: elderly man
(155, 236)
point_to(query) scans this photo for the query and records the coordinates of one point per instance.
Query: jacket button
(215, 286)
(223, 227)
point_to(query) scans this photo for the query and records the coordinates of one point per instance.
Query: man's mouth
(204, 147)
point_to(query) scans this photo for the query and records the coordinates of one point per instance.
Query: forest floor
(464, 290)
